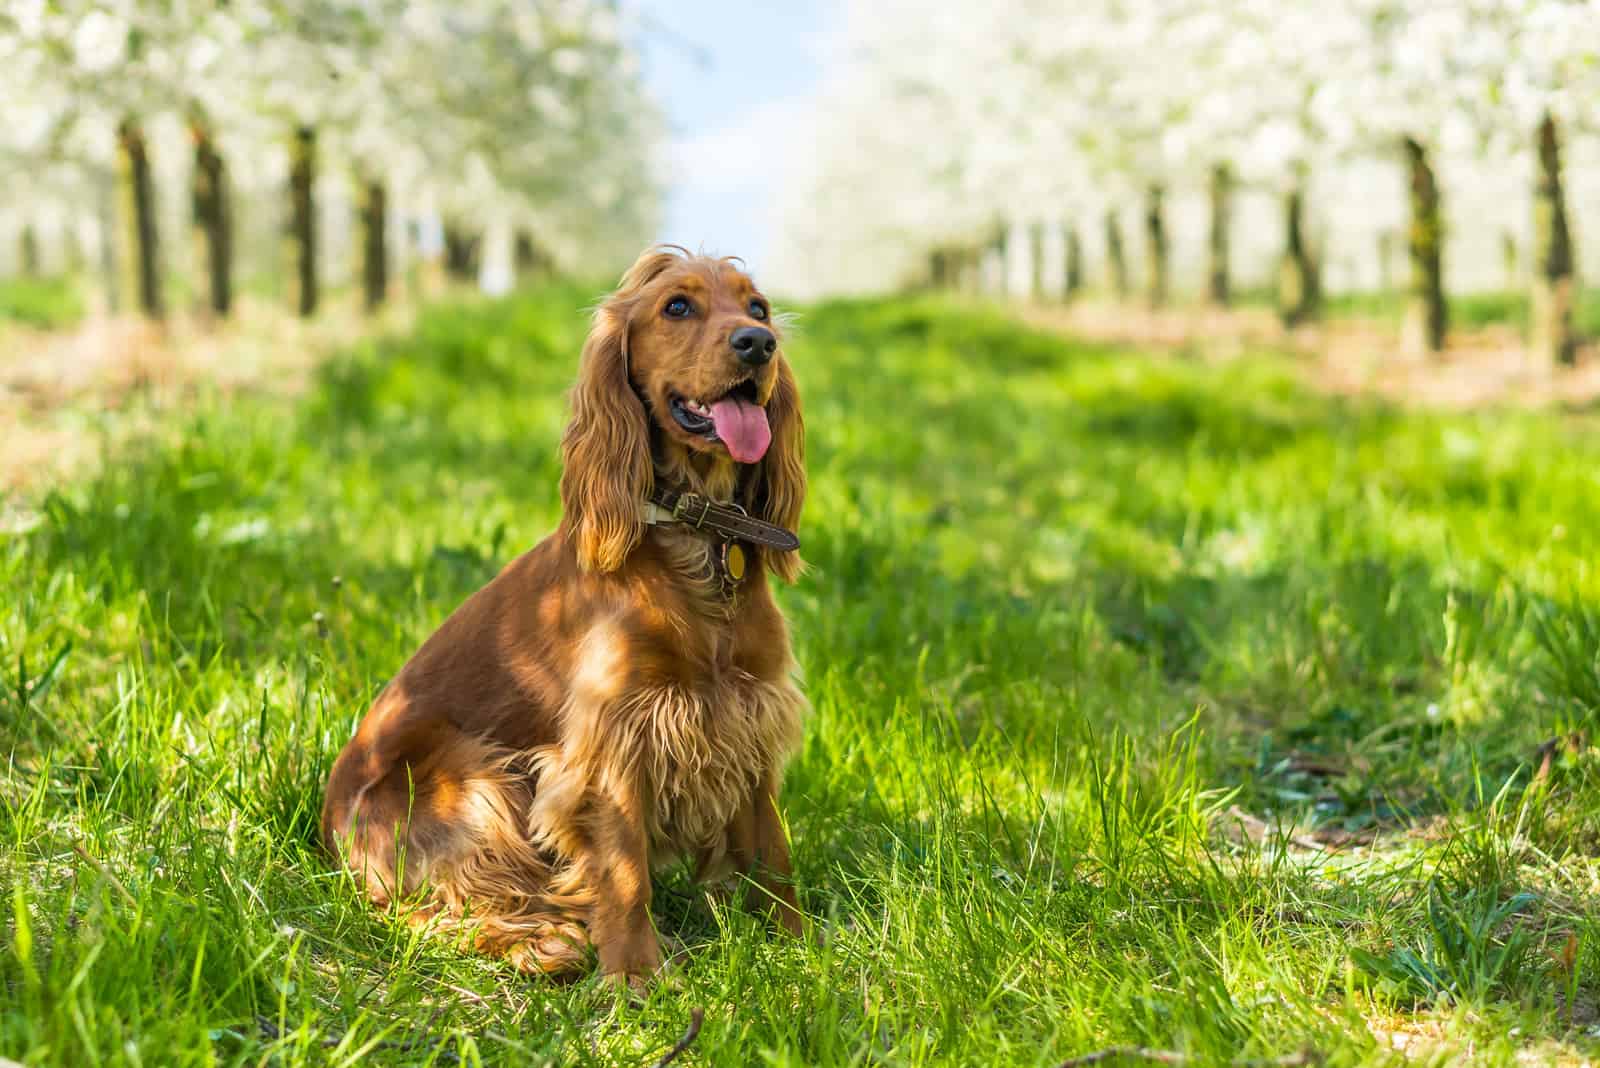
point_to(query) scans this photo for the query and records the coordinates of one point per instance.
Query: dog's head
(683, 370)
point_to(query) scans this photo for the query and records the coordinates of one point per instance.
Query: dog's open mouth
(736, 420)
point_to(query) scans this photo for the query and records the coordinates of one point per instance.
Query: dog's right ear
(781, 491)
(605, 451)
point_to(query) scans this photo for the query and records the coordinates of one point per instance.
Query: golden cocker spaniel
(621, 694)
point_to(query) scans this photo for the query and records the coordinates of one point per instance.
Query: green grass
(1075, 617)
(46, 303)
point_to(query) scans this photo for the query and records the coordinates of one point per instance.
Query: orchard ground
(1155, 701)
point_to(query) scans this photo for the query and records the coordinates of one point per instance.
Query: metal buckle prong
(680, 511)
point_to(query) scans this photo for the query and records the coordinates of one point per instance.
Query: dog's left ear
(781, 490)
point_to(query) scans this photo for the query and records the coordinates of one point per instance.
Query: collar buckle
(684, 509)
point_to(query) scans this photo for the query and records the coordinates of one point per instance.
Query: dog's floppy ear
(606, 471)
(605, 451)
(782, 488)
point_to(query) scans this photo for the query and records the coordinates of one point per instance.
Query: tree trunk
(967, 269)
(454, 252)
(303, 218)
(461, 253)
(531, 263)
(374, 244)
(1116, 259)
(110, 245)
(1219, 288)
(1299, 286)
(29, 251)
(1554, 287)
(1002, 252)
(1074, 261)
(72, 252)
(1036, 247)
(142, 259)
(1155, 235)
(212, 220)
(1426, 316)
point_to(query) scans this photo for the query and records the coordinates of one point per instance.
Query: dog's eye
(758, 310)
(678, 308)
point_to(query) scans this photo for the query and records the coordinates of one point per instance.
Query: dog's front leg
(619, 864)
(759, 848)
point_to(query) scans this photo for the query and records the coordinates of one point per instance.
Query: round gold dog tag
(733, 561)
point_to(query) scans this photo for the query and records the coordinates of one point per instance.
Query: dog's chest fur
(696, 746)
(704, 752)
(706, 746)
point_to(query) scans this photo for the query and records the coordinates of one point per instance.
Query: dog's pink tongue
(743, 428)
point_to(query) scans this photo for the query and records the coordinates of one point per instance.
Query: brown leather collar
(727, 522)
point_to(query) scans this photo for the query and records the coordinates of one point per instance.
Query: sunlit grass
(1083, 631)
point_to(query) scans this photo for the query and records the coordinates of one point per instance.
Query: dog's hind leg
(448, 842)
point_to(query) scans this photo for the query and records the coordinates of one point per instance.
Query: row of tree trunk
(1299, 282)
(1552, 333)
(137, 266)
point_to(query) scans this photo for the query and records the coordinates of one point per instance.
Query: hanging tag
(731, 562)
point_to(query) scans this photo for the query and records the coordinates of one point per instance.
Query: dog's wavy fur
(601, 706)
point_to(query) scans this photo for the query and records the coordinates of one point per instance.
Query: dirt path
(66, 395)
(1480, 368)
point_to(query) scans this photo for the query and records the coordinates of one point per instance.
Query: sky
(737, 81)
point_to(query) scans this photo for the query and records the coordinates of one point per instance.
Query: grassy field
(1154, 704)
(44, 303)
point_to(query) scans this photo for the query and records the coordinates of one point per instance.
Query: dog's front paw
(560, 951)
(633, 963)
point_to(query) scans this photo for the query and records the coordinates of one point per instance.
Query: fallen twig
(1321, 768)
(696, 1018)
(470, 995)
(1172, 1056)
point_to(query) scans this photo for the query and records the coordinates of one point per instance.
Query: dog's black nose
(753, 345)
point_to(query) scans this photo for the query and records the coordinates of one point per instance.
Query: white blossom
(943, 123)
